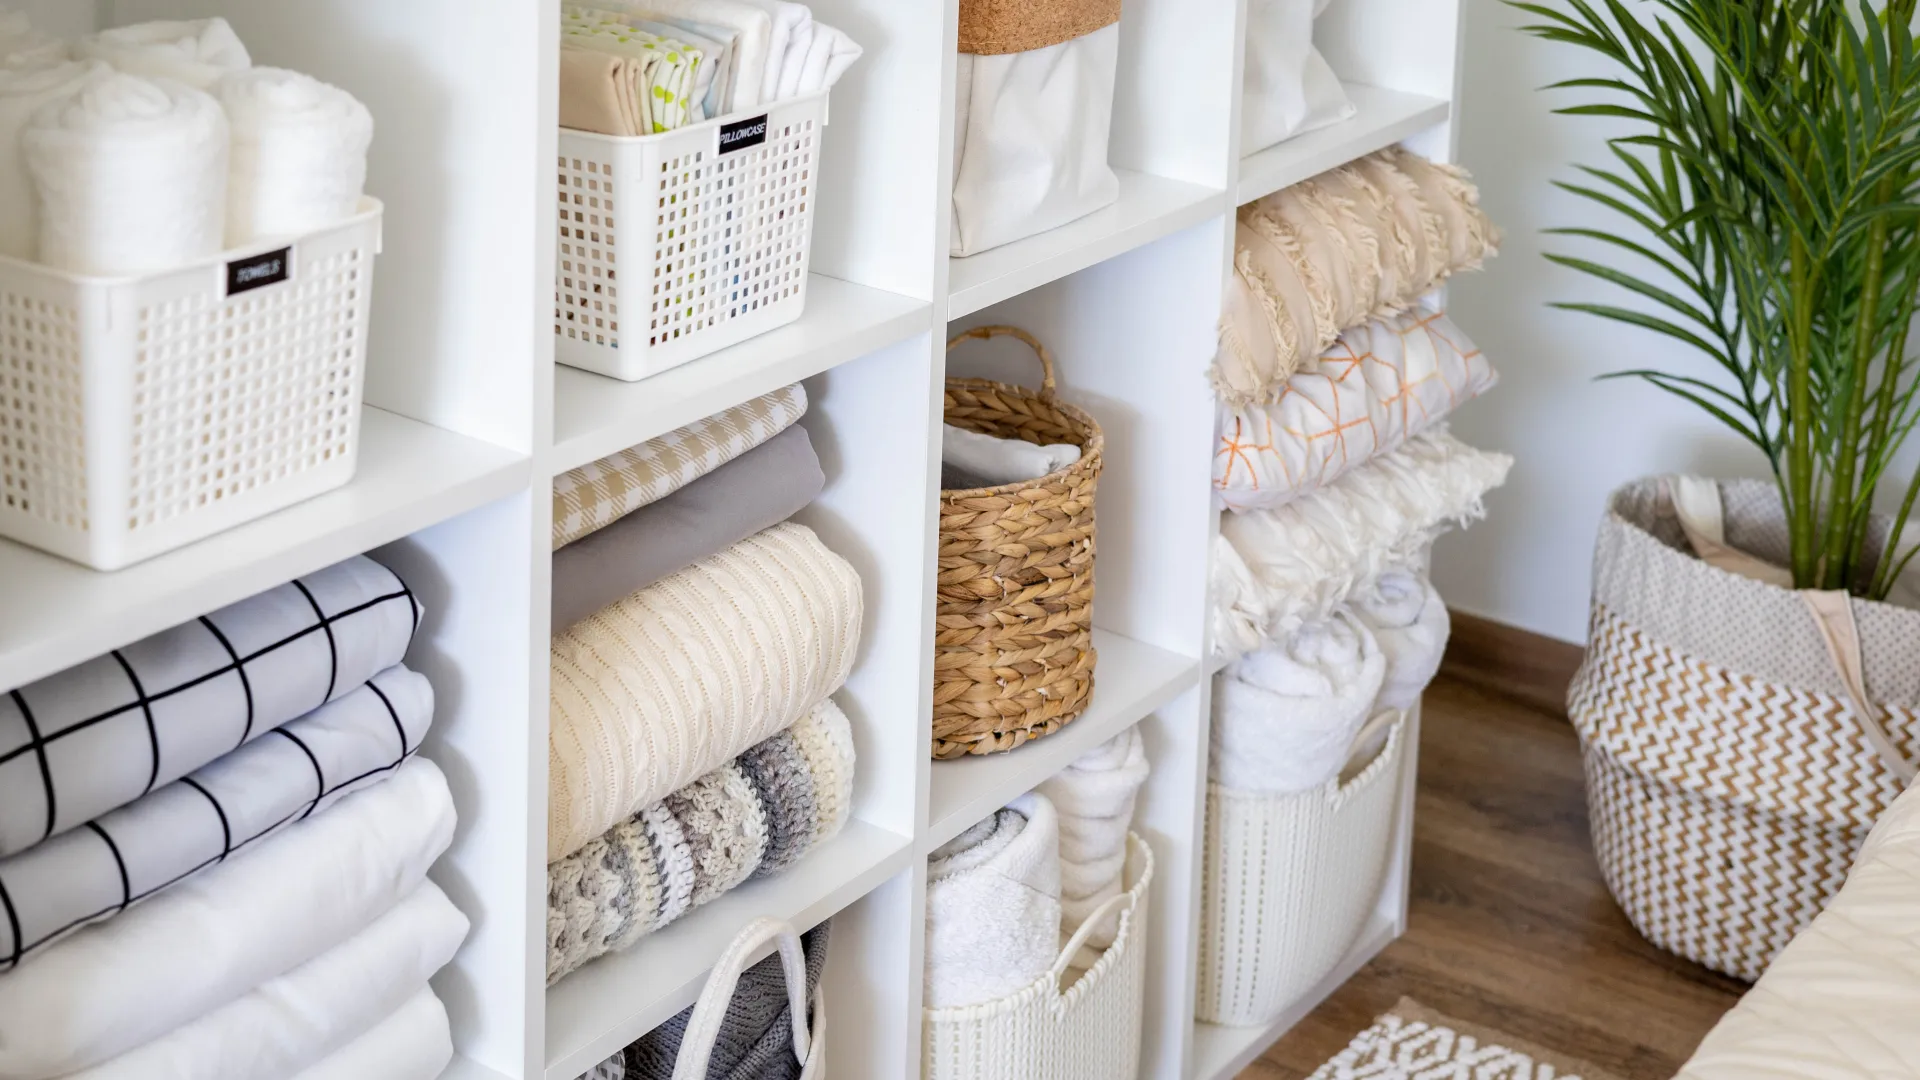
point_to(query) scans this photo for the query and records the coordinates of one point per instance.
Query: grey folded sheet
(757, 490)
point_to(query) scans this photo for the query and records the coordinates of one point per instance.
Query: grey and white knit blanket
(752, 817)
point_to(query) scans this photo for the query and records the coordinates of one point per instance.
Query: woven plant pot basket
(1013, 622)
(1730, 776)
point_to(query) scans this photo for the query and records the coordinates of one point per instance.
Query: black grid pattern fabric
(97, 736)
(89, 874)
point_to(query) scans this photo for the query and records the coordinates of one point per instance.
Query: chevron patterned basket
(1728, 781)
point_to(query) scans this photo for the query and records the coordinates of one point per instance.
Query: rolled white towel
(993, 906)
(299, 159)
(131, 175)
(1410, 622)
(197, 52)
(413, 1043)
(1094, 799)
(1284, 717)
(27, 83)
(992, 461)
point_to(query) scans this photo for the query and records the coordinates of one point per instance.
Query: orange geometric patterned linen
(1379, 385)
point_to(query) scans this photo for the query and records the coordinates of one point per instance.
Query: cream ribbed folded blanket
(672, 682)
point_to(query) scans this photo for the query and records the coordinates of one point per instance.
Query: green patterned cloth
(670, 68)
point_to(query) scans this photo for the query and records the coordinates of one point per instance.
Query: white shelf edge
(410, 476)
(1149, 207)
(1131, 680)
(1219, 1053)
(1382, 117)
(618, 998)
(595, 416)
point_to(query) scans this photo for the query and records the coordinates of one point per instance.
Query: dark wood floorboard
(1511, 926)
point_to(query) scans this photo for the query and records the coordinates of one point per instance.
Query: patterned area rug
(1413, 1042)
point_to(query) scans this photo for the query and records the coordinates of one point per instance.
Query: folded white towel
(1410, 622)
(27, 83)
(196, 52)
(126, 856)
(413, 1043)
(993, 906)
(1284, 717)
(299, 159)
(992, 461)
(829, 54)
(295, 1020)
(1094, 799)
(205, 942)
(131, 175)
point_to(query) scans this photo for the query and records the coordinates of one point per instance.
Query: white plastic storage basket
(672, 246)
(1289, 883)
(138, 414)
(1090, 1031)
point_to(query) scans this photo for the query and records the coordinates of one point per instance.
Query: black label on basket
(258, 271)
(743, 133)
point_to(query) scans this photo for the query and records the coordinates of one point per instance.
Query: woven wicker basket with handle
(1013, 622)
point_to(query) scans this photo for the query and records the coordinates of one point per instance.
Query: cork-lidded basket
(1013, 619)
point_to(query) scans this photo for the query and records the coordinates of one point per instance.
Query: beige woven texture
(1013, 621)
(1728, 784)
(992, 27)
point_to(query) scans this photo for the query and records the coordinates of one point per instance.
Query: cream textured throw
(672, 682)
(1325, 255)
(413, 1043)
(1094, 799)
(993, 906)
(1284, 717)
(299, 160)
(197, 53)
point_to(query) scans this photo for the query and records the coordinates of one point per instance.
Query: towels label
(743, 133)
(258, 271)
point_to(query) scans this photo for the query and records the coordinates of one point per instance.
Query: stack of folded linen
(639, 67)
(697, 637)
(214, 845)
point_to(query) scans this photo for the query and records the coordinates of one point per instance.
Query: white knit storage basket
(1089, 1032)
(141, 413)
(1288, 884)
(672, 246)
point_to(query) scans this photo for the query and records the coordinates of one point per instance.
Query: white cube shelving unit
(468, 419)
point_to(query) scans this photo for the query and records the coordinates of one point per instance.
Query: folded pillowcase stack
(214, 845)
(160, 144)
(698, 636)
(640, 67)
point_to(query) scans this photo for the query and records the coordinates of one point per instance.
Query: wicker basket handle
(982, 333)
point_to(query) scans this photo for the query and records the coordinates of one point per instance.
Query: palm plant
(1774, 172)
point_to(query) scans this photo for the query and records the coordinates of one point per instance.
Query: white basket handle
(703, 1028)
(1099, 915)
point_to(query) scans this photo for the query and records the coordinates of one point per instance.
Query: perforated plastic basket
(672, 246)
(139, 414)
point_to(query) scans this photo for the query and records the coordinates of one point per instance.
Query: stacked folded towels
(640, 67)
(148, 147)
(214, 845)
(698, 634)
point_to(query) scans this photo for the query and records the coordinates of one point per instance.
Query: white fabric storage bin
(1030, 139)
(1288, 884)
(1090, 1031)
(1290, 90)
(143, 413)
(675, 245)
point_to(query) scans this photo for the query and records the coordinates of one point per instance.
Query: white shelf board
(1382, 117)
(594, 416)
(1149, 208)
(1219, 1053)
(618, 998)
(54, 613)
(1131, 680)
(463, 1069)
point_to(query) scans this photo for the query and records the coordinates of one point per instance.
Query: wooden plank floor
(1511, 926)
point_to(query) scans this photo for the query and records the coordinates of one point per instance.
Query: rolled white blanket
(27, 83)
(295, 1020)
(197, 52)
(1284, 717)
(131, 175)
(993, 906)
(1094, 799)
(1410, 622)
(299, 159)
(413, 1043)
(205, 942)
